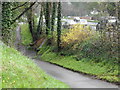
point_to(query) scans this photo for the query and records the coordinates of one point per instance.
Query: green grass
(25, 34)
(0, 68)
(101, 70)
(19, 71)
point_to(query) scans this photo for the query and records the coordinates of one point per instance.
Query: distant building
(67, 23)
(76, 19)
(88, 18)
(94, 12)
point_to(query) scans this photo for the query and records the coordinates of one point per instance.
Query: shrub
(81, 42)
(98, 50)
(77, 34)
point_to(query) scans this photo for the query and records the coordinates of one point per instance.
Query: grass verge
(19, 71)
(101, 70)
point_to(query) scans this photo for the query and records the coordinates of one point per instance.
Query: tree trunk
(30, 19)
(47, 17)
(59, 27)
(39, 27)
(6, 21)
(53, 16)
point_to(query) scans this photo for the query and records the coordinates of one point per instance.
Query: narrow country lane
(73, 79)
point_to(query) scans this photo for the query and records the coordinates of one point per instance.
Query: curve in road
(73, 79)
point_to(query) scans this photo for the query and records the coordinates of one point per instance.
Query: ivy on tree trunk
(6, 21)
(59, 27)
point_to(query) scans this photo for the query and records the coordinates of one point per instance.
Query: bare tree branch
(18, 6)
(23, 13)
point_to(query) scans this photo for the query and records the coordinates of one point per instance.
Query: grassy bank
(102, 70)
(19, 71)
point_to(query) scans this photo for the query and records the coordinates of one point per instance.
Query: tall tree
(47, 17)
(53, 16)
(30, 18)
(9, 16)
(39, 27)
(6, 21)
(59, 26)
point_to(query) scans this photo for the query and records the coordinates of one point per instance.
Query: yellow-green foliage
(77, 34)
